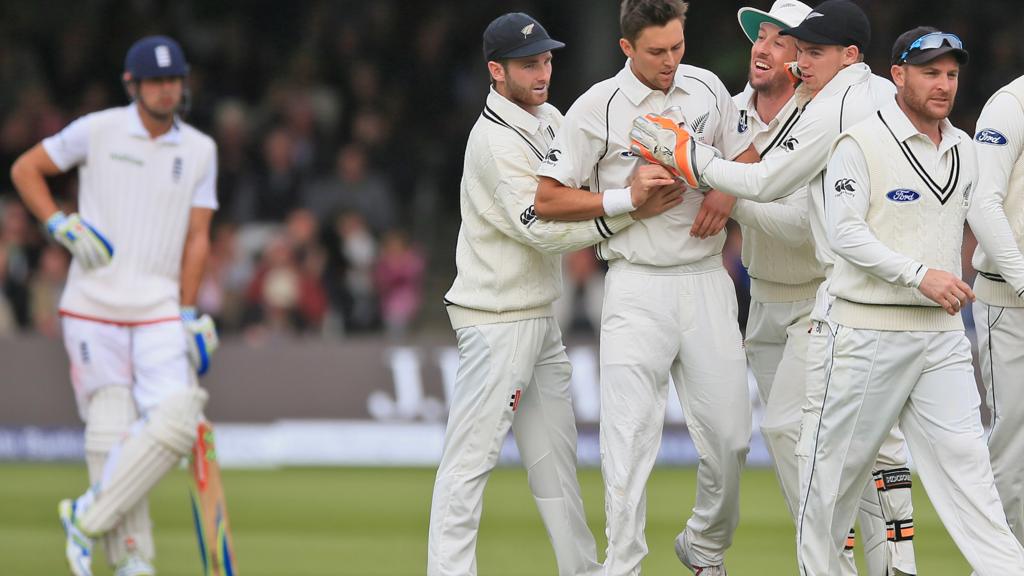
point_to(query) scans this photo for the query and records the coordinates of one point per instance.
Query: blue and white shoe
(78, 546)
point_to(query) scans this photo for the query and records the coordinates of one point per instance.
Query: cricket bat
(209, 508)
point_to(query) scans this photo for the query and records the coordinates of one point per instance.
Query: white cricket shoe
(77, 546)
(683, 552)
(134, 565)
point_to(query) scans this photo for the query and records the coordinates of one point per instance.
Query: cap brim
(751, 20)
(926, 56)
(533, 48)
(803, 33)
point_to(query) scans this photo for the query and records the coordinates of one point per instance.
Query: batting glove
(89, 248)
(201, 335)
(659, 140)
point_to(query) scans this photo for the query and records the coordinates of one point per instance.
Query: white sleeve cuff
(917, 277)
(617, 201)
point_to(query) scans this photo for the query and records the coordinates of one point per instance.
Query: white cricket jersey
(592, 150)
(777, 248)
(507, 259)
(138, 192)
(896, 207)
(997, 212)
(852, 95)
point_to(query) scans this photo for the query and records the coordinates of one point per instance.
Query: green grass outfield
(373, 521)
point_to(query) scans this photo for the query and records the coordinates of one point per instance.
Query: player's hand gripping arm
(87, 244)
(717, 206)
(200, 331)
(847, 198)
(1002, 117)
(511, 208)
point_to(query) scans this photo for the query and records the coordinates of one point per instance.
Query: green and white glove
(89, 248)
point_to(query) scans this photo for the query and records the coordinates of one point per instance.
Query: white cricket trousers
(885, 515)
(118, 374)
(776, 344)
(1001, 358)
(924, 381)
(513, 374)
(680, 322)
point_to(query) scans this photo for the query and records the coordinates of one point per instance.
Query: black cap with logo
(834, 23)
(516, 35)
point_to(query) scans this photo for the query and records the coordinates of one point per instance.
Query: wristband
(617, 201)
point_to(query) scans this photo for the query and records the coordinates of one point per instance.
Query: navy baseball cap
(516, 35)
(834, 23)
(155, 57)
(924, 44)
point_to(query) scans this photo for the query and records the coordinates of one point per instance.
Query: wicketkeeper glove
(793, 73)
(201, 335)
(659, 140)
(89, 248)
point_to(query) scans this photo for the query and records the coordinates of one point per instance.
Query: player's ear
(129, 86)
(496, 70)
(899, 75)
(627, 48)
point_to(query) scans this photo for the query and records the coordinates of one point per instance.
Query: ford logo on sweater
(990, 136)
(902, 195)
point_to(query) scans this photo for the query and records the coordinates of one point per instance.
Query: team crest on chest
(697, 126)
(176, 170)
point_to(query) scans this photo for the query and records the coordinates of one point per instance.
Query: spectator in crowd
(353, 187)
(579, 309)
(8, 324)
(283, 298)
(274, 189)
(349, 273)
(45, 288)
(398, 278)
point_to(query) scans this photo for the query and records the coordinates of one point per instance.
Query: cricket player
(898, 188)
(138, 243)
(513, 369)
(839, 89)
(670, 308)
(777, 248)
(998, 223)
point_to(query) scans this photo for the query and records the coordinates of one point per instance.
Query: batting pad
(144, 458)
(109, 417)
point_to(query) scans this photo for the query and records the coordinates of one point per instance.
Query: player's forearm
(560, 237)
(30, 181)
(784, 222)
(557, 202)
(193, 258)
(193, 262)
(992, 229)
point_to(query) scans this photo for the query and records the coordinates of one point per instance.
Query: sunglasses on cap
(931, 41)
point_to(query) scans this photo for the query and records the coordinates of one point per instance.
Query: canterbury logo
(814, 15)
(846, 186)
(529, 216)
(527, 30)
(790, 143)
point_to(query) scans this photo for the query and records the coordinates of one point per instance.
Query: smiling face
(768, 58)
(656, 54)
(524, 81)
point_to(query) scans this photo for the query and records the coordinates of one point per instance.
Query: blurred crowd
(341, 127)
